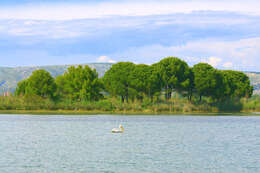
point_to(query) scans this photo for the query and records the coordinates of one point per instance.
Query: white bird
(118, 130)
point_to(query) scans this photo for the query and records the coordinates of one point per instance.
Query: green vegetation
(79, 84)
(175, 75)
(117, 80)
(12, 75)
(40, 83)
(207, 81)
(169, 86)
(145, 81)
(236, 85)
(38, 105)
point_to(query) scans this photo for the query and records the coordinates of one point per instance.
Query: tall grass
(175, 105)
(252, 104)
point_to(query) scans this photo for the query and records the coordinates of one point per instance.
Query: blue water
(150, 144)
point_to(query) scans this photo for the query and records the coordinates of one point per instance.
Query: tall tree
(40, 83)
(207, 81)
(237, 84)
(189, 84)
(117, 80)
(79, 83)
(145, 81)
(21, 87)
(175, 75)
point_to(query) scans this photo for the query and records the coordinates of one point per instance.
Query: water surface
(150, 144)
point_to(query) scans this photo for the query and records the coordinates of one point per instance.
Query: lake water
(150, 144)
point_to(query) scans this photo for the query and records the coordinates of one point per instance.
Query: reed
(114, 105)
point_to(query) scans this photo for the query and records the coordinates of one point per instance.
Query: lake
(150, 144)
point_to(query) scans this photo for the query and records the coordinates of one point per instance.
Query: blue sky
(50, 32)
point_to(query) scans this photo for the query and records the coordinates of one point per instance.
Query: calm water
(150, 144)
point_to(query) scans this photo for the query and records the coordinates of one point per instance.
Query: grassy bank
(82, 112)
(38, 105)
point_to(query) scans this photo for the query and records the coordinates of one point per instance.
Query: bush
(104, 105)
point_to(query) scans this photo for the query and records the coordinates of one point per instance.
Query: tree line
(128, 81)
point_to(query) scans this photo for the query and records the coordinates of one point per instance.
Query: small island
(167, 87)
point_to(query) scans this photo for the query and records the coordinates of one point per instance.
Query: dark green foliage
(117, 80)
(79, 83)
(237, 84)
(40, 83)
(13, 75)
(175, 75)
(145, 81)
(207, 81)
(141, 86)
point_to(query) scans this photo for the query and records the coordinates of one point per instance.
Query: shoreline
(97, 112)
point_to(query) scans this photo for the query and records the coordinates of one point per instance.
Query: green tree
(175, 75)
(40, 83)
(145, 81)
(189, 85)
(237, 84)
(79, 83)
(117, 80)
(21, 87)
(207, 81)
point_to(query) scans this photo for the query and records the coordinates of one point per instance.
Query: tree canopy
(117, 80)
(237, 84)
(207, 80)
(40, 83)
(79, 83)
(127, 80)
(145, 80)
(175, 75)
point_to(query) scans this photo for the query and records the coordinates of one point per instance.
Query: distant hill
(255, 81)
(13, 75)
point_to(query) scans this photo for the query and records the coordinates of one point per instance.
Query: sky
(225, 34)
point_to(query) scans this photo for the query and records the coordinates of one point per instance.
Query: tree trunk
(169, 95)
(166, 94)
(190, 95)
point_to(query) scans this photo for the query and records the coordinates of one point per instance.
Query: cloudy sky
(47, 32)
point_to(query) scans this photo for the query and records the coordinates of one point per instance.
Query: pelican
(118, 130)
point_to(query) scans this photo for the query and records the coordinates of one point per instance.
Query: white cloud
(32, 22)
(54, 33)
(214, 61)
(243, 54)
(105, 59)
(43, 29)
(228, 65)
(88, 27)
(101, 10)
